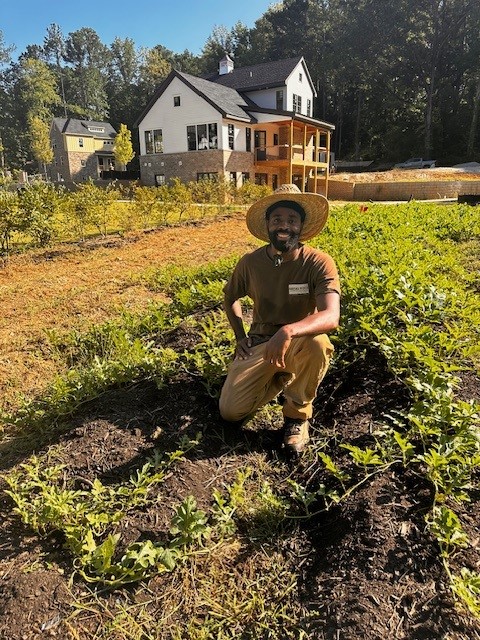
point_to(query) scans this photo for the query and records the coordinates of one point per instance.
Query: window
(207, 176)
(261, 178)
(80, 142)
(83, 163)
(248, 139)
(231, 136)
(279, 99)
(309, 107)
(202, 136)
(233, 177)
(176, 101)
(191, 138)
(153, 141)
(297, 103)
(159, 179)
(245, 177)
(274, 181)
(300, 77)
(96, 129)
(275, 139)
(212, 136)
(202, 140)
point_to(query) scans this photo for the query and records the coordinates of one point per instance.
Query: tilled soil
(367, 568)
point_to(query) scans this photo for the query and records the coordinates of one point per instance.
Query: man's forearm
(235, 318)
(320, 322)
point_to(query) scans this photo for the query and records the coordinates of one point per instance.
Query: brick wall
(388, 191)
(186, 166)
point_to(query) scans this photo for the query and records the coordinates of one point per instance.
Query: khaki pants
(253, 382)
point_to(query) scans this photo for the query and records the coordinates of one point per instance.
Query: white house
(254, 123)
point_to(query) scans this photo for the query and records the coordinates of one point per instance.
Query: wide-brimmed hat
(315, 206)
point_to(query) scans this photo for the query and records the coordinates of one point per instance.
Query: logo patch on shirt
(298, 289)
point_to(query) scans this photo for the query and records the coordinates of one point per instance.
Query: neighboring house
(255, 123)
(82, 149)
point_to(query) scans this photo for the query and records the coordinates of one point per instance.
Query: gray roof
(257, 76)
(76, 127)
(227, 100)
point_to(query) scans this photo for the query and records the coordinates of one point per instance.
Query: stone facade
(187, 166)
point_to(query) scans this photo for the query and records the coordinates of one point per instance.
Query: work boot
(295, 436)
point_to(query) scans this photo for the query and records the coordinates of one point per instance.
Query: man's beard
(284, 245)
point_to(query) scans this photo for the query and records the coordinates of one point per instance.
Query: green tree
(87, 84)
(37, 89)
(40, 141)
(123, 149)
(156, 65)
(54, 49)
(187, 62)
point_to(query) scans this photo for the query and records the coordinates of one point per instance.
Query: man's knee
(228, 411)
(320, 347)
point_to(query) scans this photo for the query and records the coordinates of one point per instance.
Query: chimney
(225, 65)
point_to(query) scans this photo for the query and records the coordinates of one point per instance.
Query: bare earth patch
(407, 175)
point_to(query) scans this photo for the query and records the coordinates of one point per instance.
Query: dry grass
(75, 286)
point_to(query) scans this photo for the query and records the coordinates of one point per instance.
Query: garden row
(41, 213)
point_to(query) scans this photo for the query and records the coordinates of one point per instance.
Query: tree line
(395, 77)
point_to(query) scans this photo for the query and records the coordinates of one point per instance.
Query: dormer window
(93, 129)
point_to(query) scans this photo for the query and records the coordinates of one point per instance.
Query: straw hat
(315, 206)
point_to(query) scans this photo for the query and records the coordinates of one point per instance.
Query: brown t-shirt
(284, 294)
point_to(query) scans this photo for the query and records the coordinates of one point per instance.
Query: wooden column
(290, 166)
(304, 156)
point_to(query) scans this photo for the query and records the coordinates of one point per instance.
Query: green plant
(213, 352)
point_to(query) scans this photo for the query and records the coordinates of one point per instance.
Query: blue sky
(175, 24)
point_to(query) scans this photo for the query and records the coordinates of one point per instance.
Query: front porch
(299, 154)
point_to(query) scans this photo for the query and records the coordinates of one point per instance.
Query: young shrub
(250, 192)
(177, 201)
(90, 206)
(146, 205)
(41, 203)
(10, 220)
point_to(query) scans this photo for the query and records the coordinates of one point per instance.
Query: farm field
(130, 511)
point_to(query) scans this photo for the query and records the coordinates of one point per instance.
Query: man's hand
(243, 348)
(277, 348)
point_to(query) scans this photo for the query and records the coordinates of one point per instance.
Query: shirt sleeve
(236, 286)
(327, 279)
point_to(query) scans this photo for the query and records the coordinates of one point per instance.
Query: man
(296, 294)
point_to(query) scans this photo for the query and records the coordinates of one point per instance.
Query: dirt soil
(407, 175)
(368, 568)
